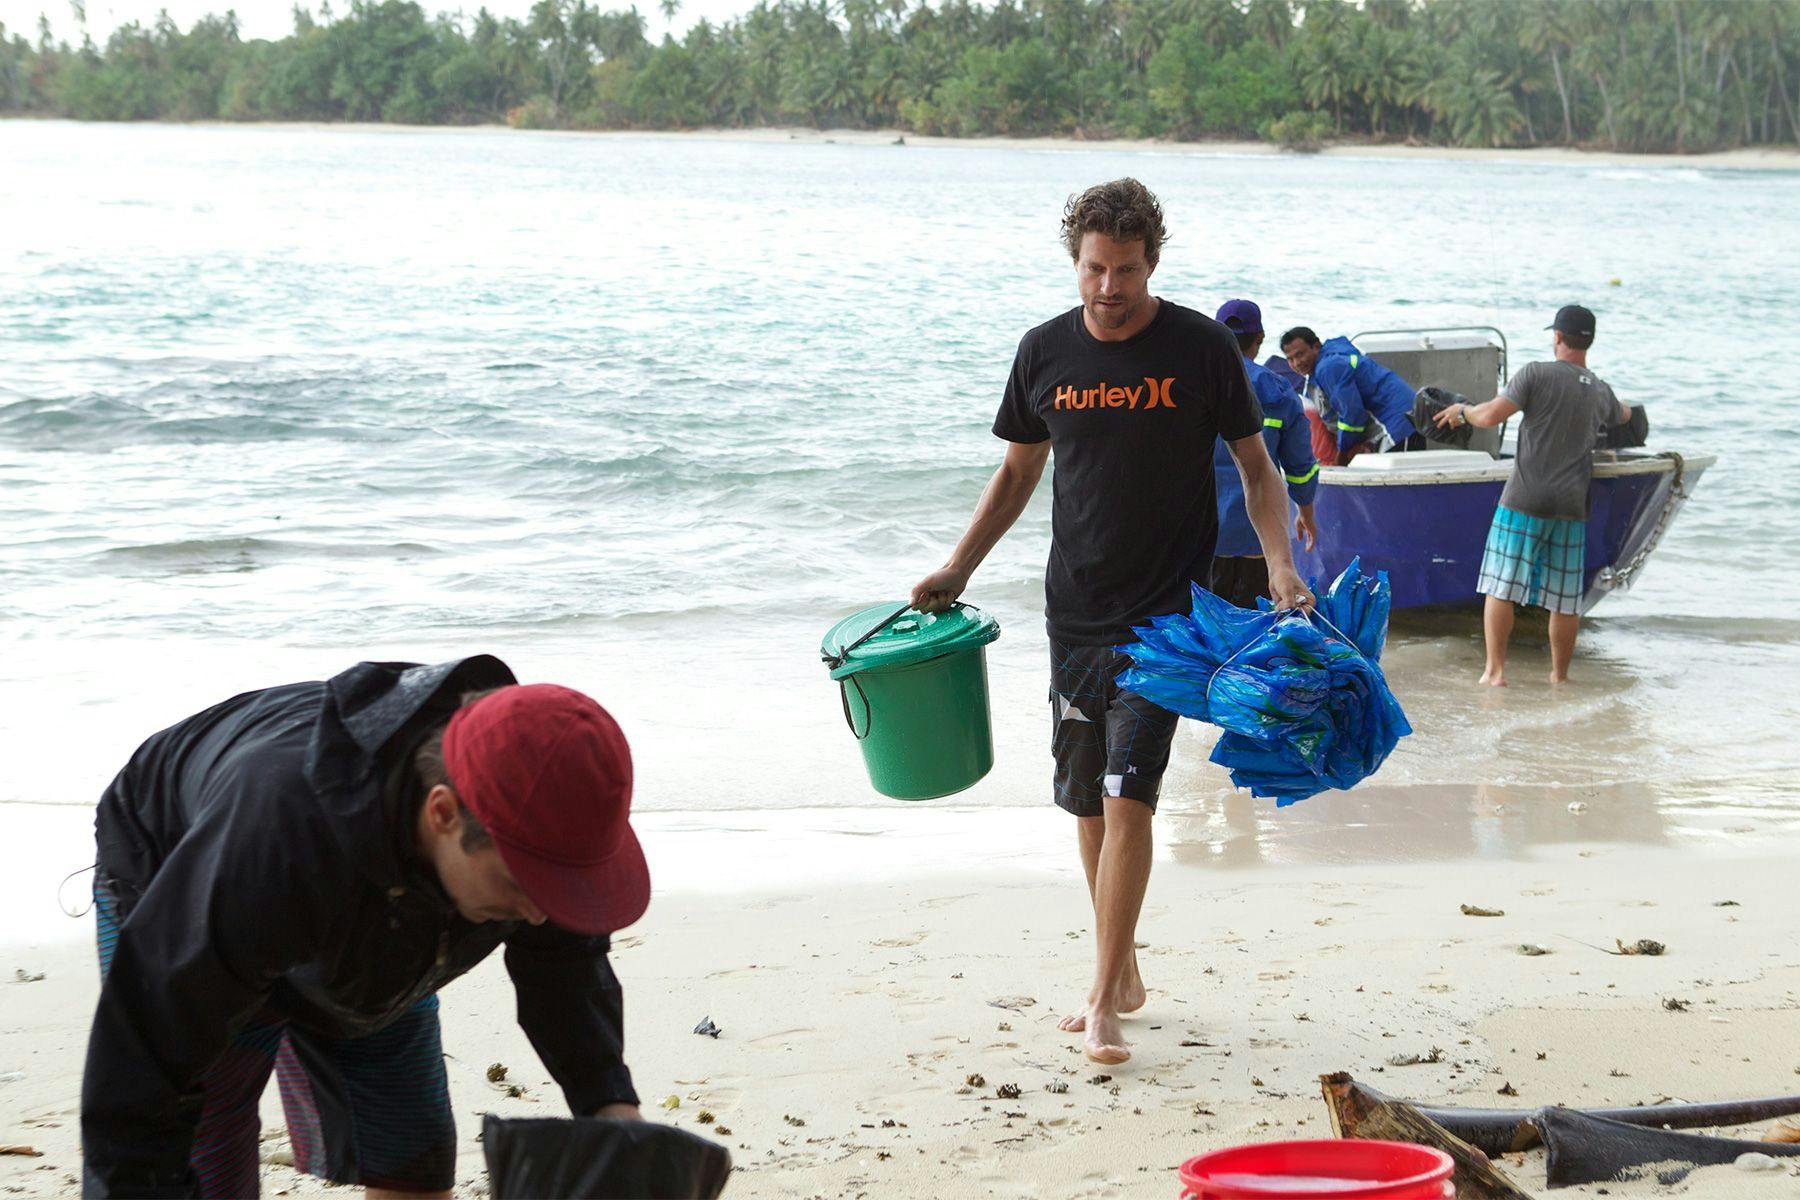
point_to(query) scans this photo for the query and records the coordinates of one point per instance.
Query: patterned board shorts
(1535, 560)
(373, 1110)
(1107, 741)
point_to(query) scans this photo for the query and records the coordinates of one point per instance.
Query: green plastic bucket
(914, 687)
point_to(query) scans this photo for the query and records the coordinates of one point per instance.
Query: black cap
(1573, 319)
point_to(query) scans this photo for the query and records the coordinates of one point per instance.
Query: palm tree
(1325, 74)
(1488, 114)
(1384, 56)
(1141, 31)
(565, 31)
(1270, 20)
(1473, 100)
(1546, 28)
(1388, 14)
(1593, 57)
(1774, 22)
(1220, 22)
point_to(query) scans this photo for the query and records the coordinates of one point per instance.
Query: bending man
(286, 880)
(1355, 388)
(1132, 392)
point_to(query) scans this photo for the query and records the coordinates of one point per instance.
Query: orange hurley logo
(1152, 393)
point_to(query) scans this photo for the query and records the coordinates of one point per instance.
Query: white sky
(274, 18)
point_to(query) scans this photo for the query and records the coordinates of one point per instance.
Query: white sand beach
(878, 976)
(1759, 158)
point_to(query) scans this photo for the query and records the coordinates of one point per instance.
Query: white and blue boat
(1422, 516)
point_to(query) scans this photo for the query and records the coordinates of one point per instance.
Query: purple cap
(1240, 316)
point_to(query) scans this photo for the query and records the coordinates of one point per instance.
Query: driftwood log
(1355, 1113)
(1503, 1130)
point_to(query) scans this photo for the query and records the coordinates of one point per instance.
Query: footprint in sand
(745, 970)
(768, 902)
(907, 998)
(896, 943)
(718, 1099)
(1015, 1003)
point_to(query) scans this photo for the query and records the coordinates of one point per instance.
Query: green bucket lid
(902, 636)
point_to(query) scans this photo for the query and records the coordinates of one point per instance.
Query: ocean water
(646, 415)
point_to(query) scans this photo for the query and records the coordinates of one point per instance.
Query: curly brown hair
(1124, 210)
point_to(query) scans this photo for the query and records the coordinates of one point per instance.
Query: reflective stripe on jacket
(1289, 440)
(1357, 386)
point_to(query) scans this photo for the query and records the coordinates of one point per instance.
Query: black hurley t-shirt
(1132, 426)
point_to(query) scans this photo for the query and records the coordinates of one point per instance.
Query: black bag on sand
(1586, 1149)
(590, 1158)
(1630, 435)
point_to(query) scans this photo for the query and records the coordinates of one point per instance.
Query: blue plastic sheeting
(1302, 702)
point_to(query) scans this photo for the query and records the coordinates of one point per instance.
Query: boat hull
(1427, 529)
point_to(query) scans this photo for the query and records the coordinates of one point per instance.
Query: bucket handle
(834, 661)
(844, 686)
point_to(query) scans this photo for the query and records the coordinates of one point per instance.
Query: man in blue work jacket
(1239, 572)
(1355, 387)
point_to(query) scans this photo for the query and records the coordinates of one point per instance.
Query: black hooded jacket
(260, 858)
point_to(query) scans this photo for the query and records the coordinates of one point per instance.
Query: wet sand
(864, 965)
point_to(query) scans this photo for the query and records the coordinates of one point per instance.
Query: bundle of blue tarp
(1302, 702)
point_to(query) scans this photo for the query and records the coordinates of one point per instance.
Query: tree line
(1634, 75)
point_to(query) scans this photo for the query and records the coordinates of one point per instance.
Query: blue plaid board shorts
(1534, 560)
(1106, 741)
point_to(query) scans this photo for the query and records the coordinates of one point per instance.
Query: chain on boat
(1613, 578)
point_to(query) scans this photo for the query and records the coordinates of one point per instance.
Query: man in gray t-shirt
(1565, 406)
(1537, 546)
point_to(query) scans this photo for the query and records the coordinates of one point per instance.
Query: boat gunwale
(1497, 470)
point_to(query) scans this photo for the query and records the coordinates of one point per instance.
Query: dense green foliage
(1627, 74)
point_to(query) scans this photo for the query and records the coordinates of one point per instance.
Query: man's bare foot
(1563, 678)
(1131, 990)
(1105, 1041)
(1494, 678)
(1131, 998)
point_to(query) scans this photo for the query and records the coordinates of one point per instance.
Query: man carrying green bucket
(1132, 393)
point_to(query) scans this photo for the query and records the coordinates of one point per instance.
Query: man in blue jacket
(1355, 386)
(1240, 573)
(284, 882)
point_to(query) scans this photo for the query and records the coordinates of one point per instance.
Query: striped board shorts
(373, 1110)
(1534, 560)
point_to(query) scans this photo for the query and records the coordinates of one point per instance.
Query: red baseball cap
(547, 771)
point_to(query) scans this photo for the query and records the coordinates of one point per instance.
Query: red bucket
(1343, 1170)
